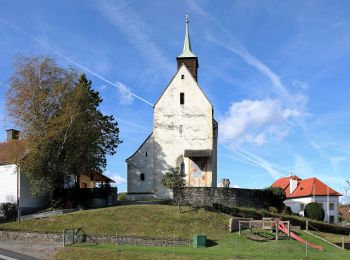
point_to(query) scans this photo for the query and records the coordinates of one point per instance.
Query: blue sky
(275, 71)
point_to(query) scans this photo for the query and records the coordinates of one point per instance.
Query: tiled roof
(283, 183)
(305, 188)
(12, 151)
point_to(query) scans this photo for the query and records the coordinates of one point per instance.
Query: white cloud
(257, 121)
(125, 97)
(118, 179)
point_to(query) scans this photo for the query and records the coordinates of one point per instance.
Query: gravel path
(39, 250)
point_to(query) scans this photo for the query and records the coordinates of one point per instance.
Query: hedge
(8, 211)
(294, 220)
(315, 211)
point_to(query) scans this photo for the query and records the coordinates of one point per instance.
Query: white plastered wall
(141, 162)
(8, 189)
(8, 183)
(195, 118)
(294, 204)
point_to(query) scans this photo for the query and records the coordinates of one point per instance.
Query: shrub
(277, 197)
(8, 211)
(315, 211)
(273, 210)
(294, 220)
(121, 196)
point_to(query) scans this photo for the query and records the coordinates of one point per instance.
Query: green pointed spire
(187, 50)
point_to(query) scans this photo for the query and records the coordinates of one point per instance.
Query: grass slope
(158, 221)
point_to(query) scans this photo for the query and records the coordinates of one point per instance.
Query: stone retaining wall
(230, 197)
(57, 237)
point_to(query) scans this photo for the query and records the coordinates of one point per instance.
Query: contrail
(262, 164)
(130, 123)
(72, 61)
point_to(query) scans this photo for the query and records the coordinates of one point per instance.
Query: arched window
(182, 168)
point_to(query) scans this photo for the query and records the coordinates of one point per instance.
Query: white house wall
(8, 183)
(294, 204)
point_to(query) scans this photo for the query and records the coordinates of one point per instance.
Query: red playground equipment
(283, 228)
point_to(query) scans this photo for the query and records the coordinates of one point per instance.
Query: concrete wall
(8, 183)
(295, 205)
(230, 197)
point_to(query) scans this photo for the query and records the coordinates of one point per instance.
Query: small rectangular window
(182, 98)
(331, 206)
(146, 154)
(301, 207)
(182, 76)
(142, 176)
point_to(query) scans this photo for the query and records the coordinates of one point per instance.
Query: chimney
(225, 183)
(12, 134)
(293, 183)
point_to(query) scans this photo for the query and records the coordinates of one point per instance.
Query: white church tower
(184, 135)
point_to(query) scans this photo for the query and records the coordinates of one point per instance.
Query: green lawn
(334, 238)
(163, 221)
(233, 247)
(157, 221)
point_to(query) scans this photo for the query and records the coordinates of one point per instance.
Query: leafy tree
(277, 198)
(174, 179)
(315, 211)
(66, 133)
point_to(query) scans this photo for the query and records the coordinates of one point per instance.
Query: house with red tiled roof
(301, 192)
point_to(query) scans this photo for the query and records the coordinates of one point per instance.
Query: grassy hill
(158, 221)
(163, 221)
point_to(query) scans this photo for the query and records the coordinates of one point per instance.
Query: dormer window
(182, 98)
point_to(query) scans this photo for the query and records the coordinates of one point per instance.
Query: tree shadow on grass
(211, 243)
(188, 210)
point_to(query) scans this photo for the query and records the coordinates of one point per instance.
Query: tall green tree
(58, 112)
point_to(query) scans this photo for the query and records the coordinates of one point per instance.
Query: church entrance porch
(198, 168)
(197, 172)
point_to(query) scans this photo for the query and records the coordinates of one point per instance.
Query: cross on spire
(187, 50)
(187, 57)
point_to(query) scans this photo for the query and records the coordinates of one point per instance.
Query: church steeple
(187, 57)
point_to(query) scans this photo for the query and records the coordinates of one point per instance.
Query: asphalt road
(10, 255)
(17, 249)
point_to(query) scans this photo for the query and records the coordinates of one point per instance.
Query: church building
(184, 135)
